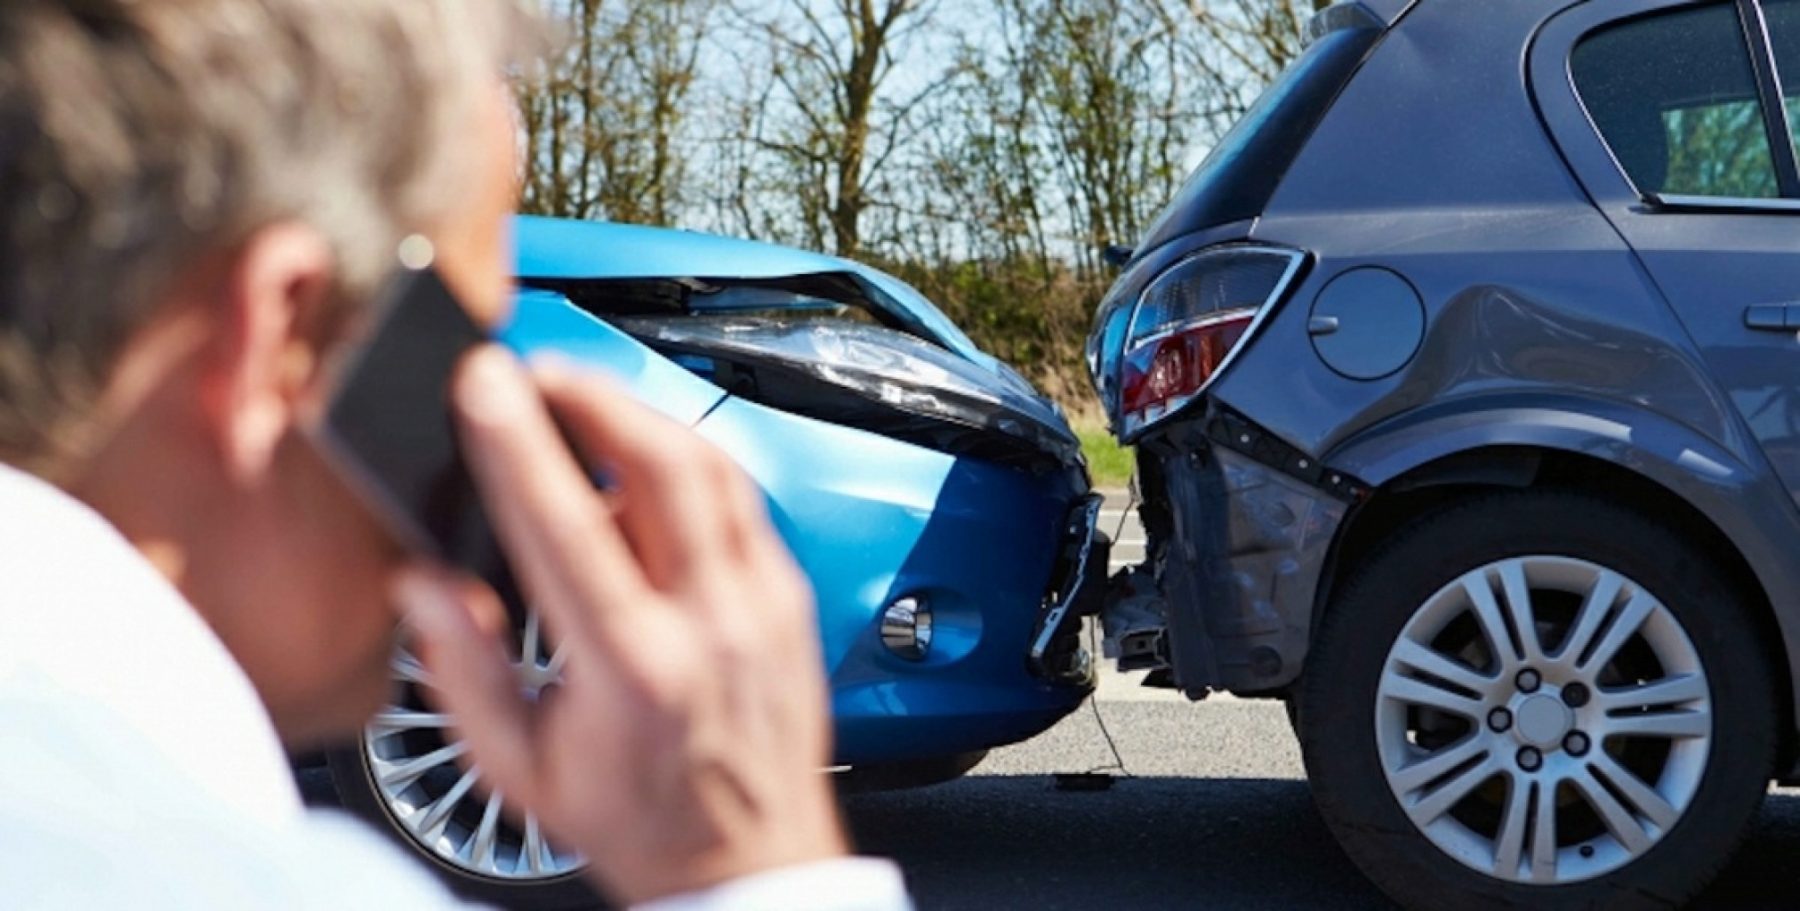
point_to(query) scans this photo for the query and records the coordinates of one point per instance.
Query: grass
(1110, 463)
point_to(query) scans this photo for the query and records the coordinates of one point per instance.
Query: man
(197, 199)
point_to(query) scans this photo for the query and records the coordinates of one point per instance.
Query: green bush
(1110, 463)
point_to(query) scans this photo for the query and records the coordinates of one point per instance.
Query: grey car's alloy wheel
(1538, 699)
(409, 771)
(1543, 758)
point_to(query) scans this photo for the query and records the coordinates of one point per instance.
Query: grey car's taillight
(1190, 322)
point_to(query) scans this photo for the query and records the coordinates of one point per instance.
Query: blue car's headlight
(876, 378)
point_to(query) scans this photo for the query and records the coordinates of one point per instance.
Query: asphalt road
(1211, 813)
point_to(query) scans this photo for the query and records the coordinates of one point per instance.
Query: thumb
(471, 676)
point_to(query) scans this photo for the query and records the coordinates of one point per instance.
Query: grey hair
(139, 135)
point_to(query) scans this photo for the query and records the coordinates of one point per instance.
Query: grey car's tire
(1400, 780)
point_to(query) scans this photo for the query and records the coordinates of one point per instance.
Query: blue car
(939, 504)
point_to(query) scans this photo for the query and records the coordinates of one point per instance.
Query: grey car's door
(1701, 180)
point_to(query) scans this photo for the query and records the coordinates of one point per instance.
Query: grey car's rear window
(1675, 97)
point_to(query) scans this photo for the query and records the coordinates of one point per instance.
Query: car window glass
(1675, 97)
(1783, 17)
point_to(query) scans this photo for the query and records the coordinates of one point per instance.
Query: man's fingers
(470, 674)
(676, 503)
(559, 537)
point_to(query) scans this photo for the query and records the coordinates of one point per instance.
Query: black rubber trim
(1230, 430)
(1774, 106)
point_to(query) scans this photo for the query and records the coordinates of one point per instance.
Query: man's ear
(266, 350)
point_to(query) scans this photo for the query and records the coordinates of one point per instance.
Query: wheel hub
(1543, 721)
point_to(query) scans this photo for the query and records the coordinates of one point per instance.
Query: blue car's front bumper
(871, 520)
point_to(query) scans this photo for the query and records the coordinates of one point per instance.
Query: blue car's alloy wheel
(409, 773)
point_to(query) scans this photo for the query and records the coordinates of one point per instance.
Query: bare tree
(1112, 105)
(604, 120)
(831, 64)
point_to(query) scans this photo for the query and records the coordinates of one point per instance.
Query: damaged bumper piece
(1240, 526)
(904, 388)
(1077, 591)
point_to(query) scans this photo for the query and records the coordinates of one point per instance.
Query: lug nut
(1500, 720)
(1576, 695)
(1529, 680)
(1576, 743)
(1530, 759)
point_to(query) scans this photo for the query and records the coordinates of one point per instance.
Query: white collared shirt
(139, 769)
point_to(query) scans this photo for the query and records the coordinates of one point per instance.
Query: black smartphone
(389, 431)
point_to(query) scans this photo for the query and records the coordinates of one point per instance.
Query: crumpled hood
(553, 248)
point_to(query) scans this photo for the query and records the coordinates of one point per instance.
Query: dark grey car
(1465, 381)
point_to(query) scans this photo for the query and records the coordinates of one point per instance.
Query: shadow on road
(1763, 873)
(990, 842)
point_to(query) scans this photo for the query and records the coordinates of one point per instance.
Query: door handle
(1773, 317)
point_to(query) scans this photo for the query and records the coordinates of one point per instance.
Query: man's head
(196, 198)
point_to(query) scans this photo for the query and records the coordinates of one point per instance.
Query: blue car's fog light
(906, 628)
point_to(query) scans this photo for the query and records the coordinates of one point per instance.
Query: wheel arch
(1733, 508)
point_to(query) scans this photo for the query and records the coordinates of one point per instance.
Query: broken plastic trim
(871, 378)
(1078, 591)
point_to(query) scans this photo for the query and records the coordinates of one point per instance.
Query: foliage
(1110, 464)
(604, 118)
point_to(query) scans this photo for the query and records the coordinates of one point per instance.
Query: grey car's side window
(1675, 97)
(1783, 17)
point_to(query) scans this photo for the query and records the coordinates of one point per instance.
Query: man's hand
(685, 745)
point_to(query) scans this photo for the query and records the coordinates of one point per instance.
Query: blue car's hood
(551, 248)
